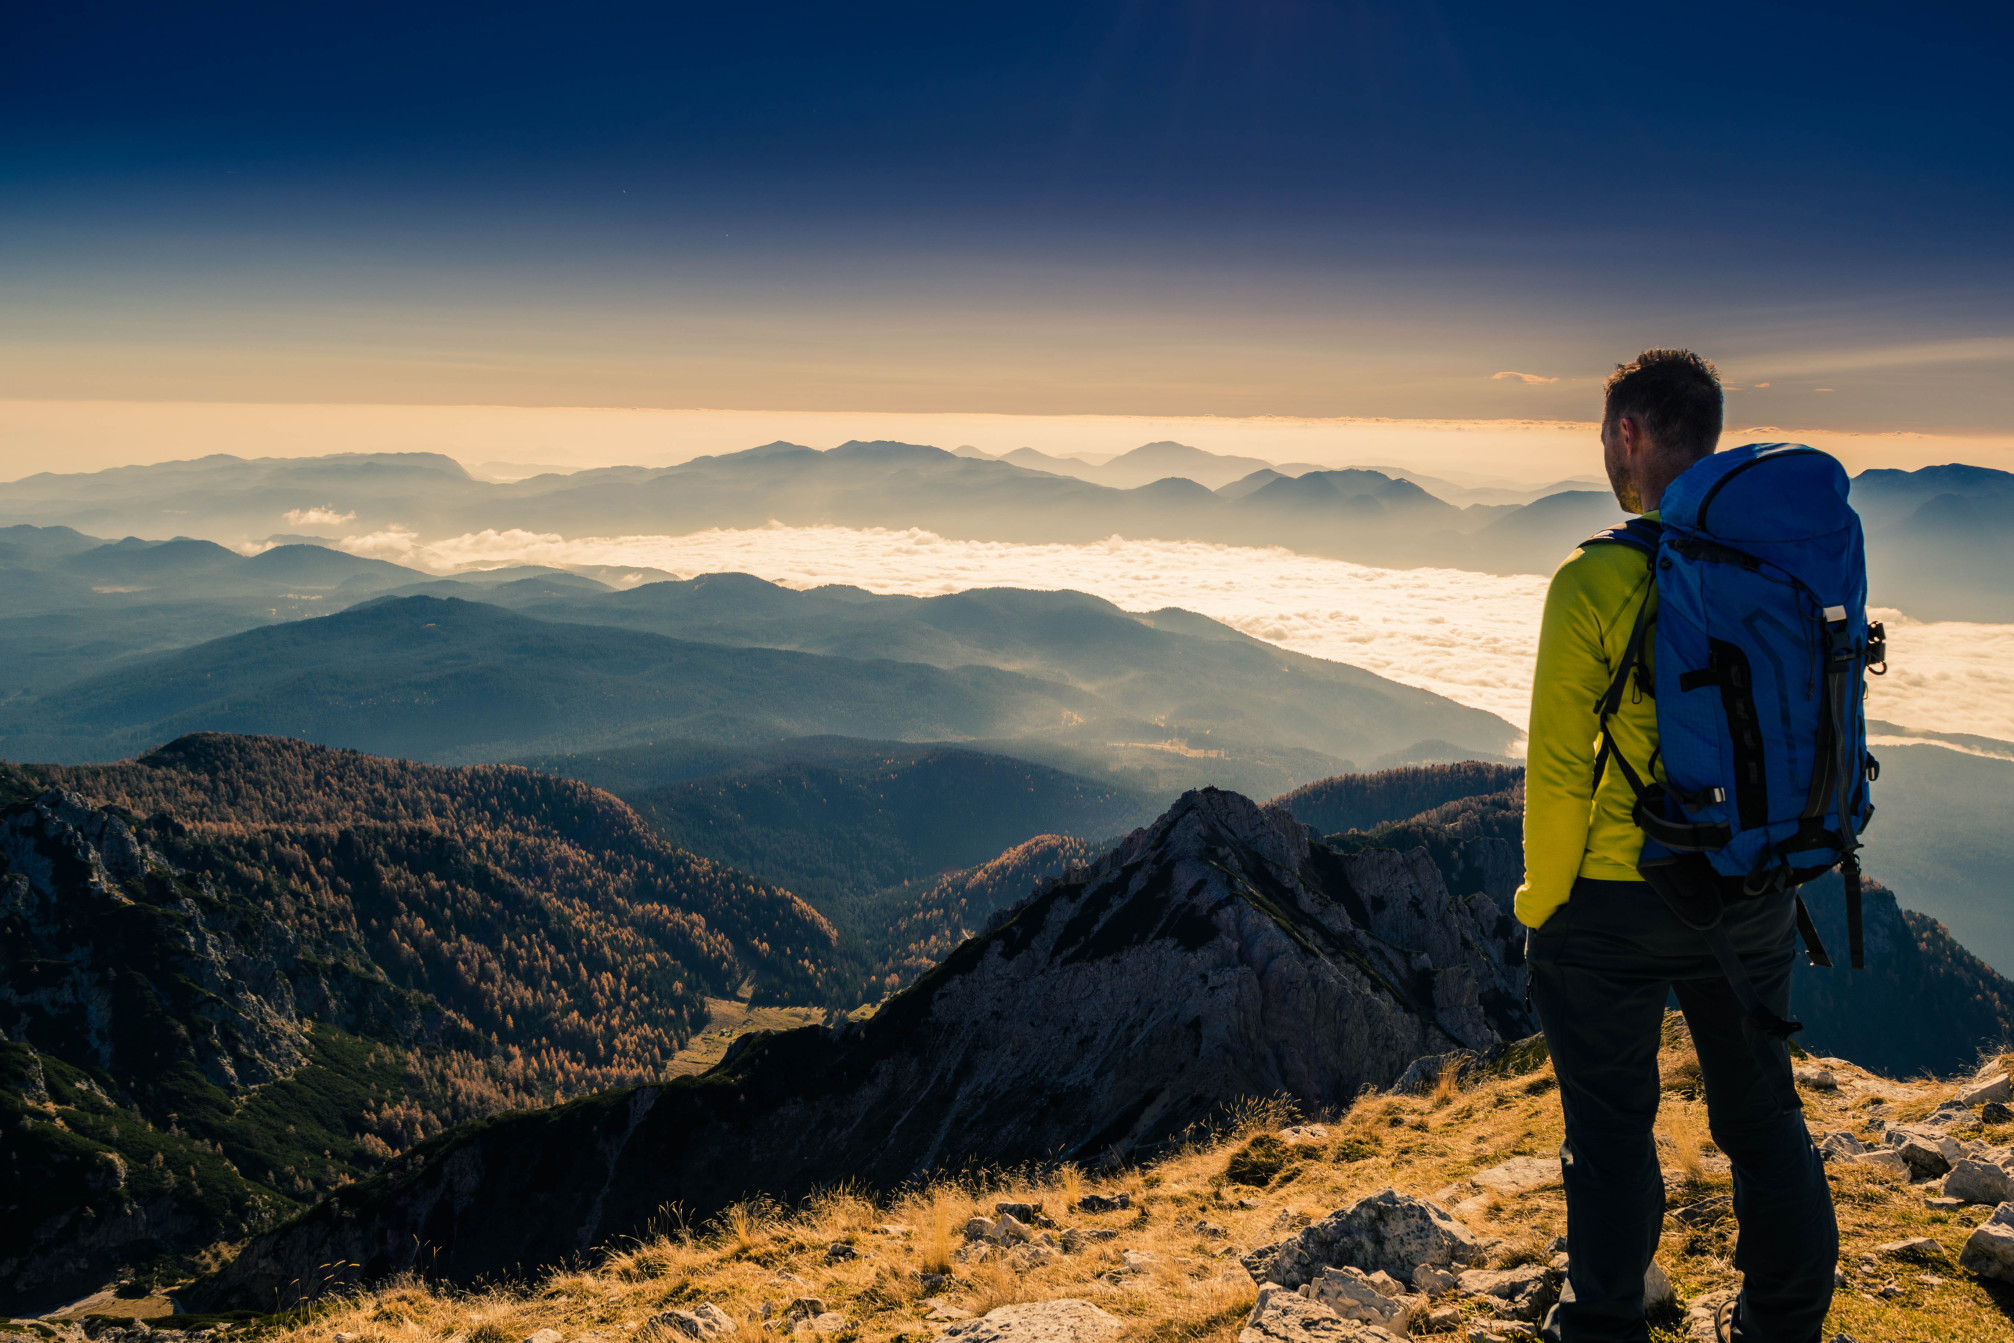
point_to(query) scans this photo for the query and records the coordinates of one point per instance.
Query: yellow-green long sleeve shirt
(1569, 830)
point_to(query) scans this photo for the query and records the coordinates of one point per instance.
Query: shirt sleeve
(1571, 677)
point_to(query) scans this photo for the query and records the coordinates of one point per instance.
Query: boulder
(545, 1336)
(1388, 1230)
(803, 1308)
(1519, 1174)
(1698, 1325)
(1282, 1315)
(1979, 1182)
(1815, 1077)
(1657, 1289)
(1104, 1202)
(979, 1228)
(1351, 1294)
(1918, 1248)
(1064, 1321)
(1026, 1212)
(1138, 1261)
(1890, 1162)
(1838, 1146)
(838, 1252)
(1990, 1250)
(1010, 1230)
(1996, 1087)
(1925, 1150)
(1525, 1292)
(701, 1321)
(1433, 1281)
(1996, 1112)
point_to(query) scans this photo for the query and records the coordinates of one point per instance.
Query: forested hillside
(240, 972)
(1360, 801)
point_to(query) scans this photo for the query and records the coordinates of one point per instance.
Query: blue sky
(1202, 208)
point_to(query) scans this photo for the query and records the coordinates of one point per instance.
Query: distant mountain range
(1940, 535)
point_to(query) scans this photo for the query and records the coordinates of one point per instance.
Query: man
(1605, 952)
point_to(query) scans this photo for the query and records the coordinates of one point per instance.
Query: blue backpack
(1762, 643)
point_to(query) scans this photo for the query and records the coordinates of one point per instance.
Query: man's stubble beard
(1626, 492)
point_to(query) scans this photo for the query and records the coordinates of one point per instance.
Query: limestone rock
(1433, 1281)
(1011, 1230)
(1916, 1247)
(701, 1321)
(1138, 1261)
(1062, 1321)
(1388, 1230)
(1840, 1145)
(1525, 1292)
(1657, 1288)
(1701, 1312)
(1888, 1161)
(1351, 1294)
(1989, 1251)
(1997, 1087)
(1304, 1134)
(1284, 1316)
(1926, 1151)
(1520, 1174)
(1815, 1077)
(1979, 1182)
(545, 1336)
(979, 1228)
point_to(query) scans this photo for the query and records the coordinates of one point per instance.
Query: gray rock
(1997, 1087)
(1351, 1294)
(1979, 1182)
(1925, 1150)
(1433, 1281)
(839, 1252)
(1839, 1145)
(979, 1228)
(804, 1308)
(1061, 1321)
(1700, 1313)
(1815, 1077)
(701, 1321)
(1996, 1112)
(1891, 1162)
(1011, 1230)
(1024, 1212)
(1525, 1292)
(1915, 1247)
(1388, 1230)
(1282, 1315)
(546, 1336)
(1657, 1288)
(1104, 1202)
(1989, 1251)
(1520, 1174)
(1500, 1331)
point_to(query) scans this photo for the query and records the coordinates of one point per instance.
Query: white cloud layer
(1468, 636)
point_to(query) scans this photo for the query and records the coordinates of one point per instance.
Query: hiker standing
(1696, 751)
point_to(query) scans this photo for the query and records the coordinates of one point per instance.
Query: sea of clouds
(1469, 636)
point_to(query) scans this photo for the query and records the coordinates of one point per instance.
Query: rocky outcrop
(99, 930)
(1220, 953)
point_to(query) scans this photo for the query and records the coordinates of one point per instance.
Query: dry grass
(1197, 1293)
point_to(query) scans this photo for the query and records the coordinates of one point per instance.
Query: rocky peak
(1220, 953)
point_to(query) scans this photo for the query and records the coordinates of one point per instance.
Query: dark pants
(1602, 968)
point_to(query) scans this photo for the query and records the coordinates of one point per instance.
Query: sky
(1277, 209)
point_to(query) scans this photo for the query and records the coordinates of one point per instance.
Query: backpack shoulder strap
(1639, 534)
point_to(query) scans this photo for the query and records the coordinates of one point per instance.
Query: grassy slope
(1198, 1292)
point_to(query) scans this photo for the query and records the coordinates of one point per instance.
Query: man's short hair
(1674, 396)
